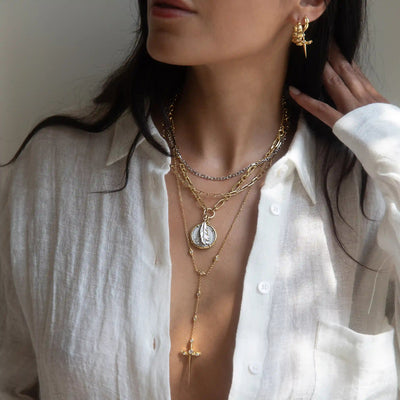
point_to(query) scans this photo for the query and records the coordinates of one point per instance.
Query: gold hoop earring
(299, 37)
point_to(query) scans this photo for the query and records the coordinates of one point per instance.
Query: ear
(312, 9)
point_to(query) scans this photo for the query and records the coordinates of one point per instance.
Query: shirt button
(254, 369)
(275, 209)
(264, 287)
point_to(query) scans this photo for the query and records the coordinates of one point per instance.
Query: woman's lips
(170, 9)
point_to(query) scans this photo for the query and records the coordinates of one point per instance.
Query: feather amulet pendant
(203, 235)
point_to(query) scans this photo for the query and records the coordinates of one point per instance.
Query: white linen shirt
(85, 277)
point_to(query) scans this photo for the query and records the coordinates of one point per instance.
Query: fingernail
(294, 90)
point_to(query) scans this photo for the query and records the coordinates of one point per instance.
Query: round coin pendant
(203, 236)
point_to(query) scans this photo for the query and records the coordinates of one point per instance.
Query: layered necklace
(204, 235)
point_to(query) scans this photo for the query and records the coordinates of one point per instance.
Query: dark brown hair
(142, 81)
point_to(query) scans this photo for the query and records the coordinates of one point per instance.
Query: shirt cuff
(372, 133)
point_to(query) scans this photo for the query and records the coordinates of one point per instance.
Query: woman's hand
(347, 86)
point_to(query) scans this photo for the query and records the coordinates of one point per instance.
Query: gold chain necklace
(190, 352)
(203, 235)
(236, 189)
(267, 157)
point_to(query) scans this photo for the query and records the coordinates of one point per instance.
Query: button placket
(157, 283)
(252, 343)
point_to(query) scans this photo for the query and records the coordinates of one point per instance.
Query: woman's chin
(166, 58)
(174, 55)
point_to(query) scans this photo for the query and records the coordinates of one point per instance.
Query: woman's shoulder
(56, 156)
(64, 147)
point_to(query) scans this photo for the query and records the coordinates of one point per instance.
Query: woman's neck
(229, 114)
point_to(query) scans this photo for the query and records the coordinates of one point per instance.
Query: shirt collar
(125, 131)
(301, 153)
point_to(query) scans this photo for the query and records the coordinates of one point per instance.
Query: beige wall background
(54, 53)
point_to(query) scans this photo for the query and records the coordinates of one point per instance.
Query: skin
(238, 53)
(229, 109)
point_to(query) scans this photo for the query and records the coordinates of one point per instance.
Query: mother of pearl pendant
(203, 236)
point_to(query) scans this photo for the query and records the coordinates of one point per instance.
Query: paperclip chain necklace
(204, 235)
(236, 189)
(267, 157)
(190, 352)
(217, 178)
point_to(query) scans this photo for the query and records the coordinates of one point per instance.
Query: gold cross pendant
(189, 353)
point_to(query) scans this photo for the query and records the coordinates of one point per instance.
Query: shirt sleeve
(18, 371)
(372, 133)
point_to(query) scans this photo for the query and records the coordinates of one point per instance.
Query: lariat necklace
(203, 235)
(190, 352)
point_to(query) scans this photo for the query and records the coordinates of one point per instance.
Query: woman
(244, 254)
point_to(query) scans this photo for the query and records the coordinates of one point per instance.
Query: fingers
(361, 88)
(347, 86)
(338, 69)
(324, 112)
(338, 90)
